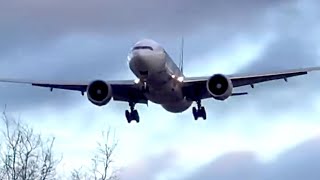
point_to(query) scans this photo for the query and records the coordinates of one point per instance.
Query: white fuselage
(151, 64)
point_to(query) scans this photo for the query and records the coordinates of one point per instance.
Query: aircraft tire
(203, 113)
(195, 113)
(135, 116)
(128, 116)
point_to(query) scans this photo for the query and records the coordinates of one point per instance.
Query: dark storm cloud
(300, 162)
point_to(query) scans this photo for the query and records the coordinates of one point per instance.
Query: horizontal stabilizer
(239, 94)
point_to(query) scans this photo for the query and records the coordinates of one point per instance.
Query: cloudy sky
(273, 133)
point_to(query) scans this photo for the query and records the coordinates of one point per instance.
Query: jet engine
(219, 86)
(99, 92)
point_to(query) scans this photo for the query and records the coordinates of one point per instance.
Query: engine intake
(99, 92)
(219, 86)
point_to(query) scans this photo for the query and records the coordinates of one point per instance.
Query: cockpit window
(143, 47)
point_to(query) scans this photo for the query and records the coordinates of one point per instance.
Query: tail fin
(181, 55)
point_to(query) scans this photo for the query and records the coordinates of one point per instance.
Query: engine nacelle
(99, 92)
(219, 86)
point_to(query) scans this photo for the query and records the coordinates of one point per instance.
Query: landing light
(173, 76)
(180, 79)
(137, 81)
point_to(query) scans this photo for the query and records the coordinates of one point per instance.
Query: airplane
(162, 82)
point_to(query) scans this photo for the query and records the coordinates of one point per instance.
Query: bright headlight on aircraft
(173, 76)
(137, 81)
(180, 79)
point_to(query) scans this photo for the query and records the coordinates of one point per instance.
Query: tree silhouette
(101, 167)
(25, 155)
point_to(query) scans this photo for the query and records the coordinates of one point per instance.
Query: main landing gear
(200, 111)
(132, 114)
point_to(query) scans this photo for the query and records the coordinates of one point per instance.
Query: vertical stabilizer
(181, 55)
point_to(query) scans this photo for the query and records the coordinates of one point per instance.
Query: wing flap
(254, 79)
(127, 93)
(239, 93)
(56, 85)
(74, 87)
(243, 81)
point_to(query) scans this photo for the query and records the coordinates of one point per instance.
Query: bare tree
(80, 174)
(25, 155)
(102, 161)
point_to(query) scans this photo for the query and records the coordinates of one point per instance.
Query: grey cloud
(295, 46)
(34, 22)
(297, 163)
(236, 165)
(55, 16)
(149, 168)
(285, 53)
(60, 62)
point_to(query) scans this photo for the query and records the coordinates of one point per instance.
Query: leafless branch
(25, 155)
(101, 168)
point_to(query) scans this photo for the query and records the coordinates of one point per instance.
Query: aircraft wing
(123, 90)
(195, 87)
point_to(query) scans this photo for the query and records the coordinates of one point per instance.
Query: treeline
(26, 155)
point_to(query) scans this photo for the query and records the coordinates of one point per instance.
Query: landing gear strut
(145, 87)
(132, 114)
(200, 111)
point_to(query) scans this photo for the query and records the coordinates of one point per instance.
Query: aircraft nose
(137, 55)
(139, 61)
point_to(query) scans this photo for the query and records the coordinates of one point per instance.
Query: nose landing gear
(132, 114)
(200, 111)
